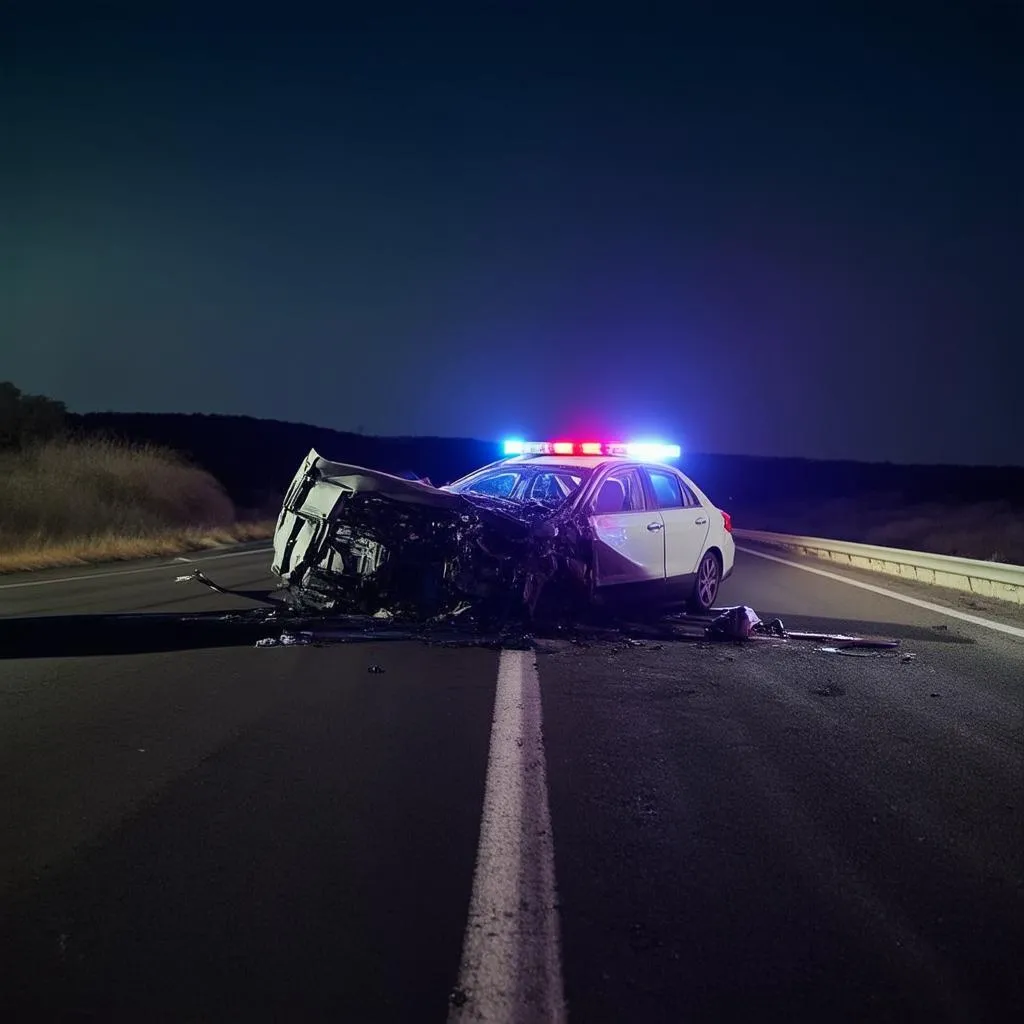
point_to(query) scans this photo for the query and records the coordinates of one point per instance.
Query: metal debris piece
(908, 656)
(858, 647)
(375, 669)
(846, 652)
(198, 576)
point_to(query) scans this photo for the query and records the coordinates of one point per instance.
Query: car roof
(584, 461)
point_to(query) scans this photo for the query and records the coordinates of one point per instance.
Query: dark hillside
(255, 459)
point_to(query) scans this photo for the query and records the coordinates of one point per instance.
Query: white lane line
(975, 620)
(125, 572)
(511, 967)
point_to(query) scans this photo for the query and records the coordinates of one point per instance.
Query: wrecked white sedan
(555, 527)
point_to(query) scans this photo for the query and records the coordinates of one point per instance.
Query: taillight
(727, 521)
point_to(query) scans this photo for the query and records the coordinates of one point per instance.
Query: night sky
(763, 234)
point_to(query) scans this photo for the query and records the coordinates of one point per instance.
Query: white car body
(647, 543)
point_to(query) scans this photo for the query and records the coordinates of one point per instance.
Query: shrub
(61, 490)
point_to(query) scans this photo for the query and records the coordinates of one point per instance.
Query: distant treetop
(28, 418)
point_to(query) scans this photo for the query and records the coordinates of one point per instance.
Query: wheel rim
(707, 581)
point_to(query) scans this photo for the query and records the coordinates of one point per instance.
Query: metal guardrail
(986, 579)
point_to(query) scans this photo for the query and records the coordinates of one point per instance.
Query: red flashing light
(591, 448)
(563, 447)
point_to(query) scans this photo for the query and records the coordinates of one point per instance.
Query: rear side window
(621, 491)
(667, 491)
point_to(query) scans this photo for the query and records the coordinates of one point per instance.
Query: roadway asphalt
(196, 828)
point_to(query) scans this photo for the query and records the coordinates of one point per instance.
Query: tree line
(26, 419)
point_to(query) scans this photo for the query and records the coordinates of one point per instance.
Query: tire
(705, 587)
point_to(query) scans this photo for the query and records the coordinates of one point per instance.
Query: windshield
(525, 484)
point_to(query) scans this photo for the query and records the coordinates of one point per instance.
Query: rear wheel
(705, 588)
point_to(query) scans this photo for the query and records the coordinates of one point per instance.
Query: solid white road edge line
(976, 620)
(129, 572)
(511, 968)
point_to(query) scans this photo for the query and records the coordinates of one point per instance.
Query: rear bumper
(728, 549)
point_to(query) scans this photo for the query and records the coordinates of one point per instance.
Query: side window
(621, 491)
(667, 490)
(689, 498)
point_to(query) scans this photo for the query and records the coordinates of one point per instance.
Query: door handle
(655, 526)
(701, 521)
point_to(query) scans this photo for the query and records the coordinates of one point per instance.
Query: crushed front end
(358, 541)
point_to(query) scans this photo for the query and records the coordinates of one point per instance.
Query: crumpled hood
(343, 478)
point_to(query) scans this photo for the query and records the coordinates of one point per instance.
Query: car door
(629, 543)
(686, 521)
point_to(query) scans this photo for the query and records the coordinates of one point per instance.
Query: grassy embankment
(992, 531)
(73, 502)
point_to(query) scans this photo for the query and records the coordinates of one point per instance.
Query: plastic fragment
(734, 623)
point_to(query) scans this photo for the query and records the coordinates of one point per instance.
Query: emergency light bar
(644, 450)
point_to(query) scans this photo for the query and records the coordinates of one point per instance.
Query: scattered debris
(907, 656)
(466, 626)
(375, 669)
(287, 640)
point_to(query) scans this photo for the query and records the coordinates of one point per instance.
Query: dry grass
(112, 548)
(76, 502)
(991, 531)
